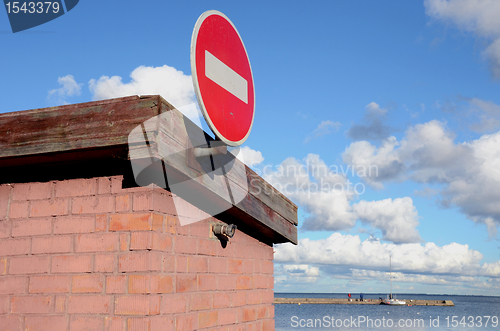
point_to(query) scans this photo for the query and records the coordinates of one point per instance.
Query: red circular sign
(222, 78)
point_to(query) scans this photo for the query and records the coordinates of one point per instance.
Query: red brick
(186, 245)
(122, 203)
(171, 224)
(207, 319)
(200, 229)
(114, 324)
(74, 224)
(267, 296)
(3, 266)
(124, 241)
(116, 184)
(249, 314)
(222, 299)
(4, 200)
(101, 221)
(187, 322)
(32, 191)
(31, 305)
(71, 264)
(254, 297)
(87, 284)
(10, 247)
(29, 265)
(228, 316)
(143, 202)
(150, 284)
(19, 209)
(197, 264)
(235, 266)
(238, 299)
(13, 285)
(268, 324)
(261, 312)
(207, 282)
(103, 185)
(31, 227)
(105, 263)
(174, 303)
(162, 323)
(248, 266)
(92, 205)
(186, 283)
(10, 322)
(181, 263)
(116, 284)
(141, 261)
(207, 247)
(86, 323)
(130, 222)
(89, 304)
(76, 187)
(259, 281)
(134, 305)
(150, 241)
(4, 304)
(270, 310)
(201, 301)
(53, 244)
(53, 207)
(217, 265)
(97, 242)
(267, 267)
(244, 282)
(226, 282)
(138, 324)
(49, 284)
(168, 263)
(158, 221)
(61, 304)
(46, 323)
(5, 228)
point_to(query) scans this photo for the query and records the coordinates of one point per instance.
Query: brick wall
(85, 254)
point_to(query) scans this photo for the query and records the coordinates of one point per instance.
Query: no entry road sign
(222, 78)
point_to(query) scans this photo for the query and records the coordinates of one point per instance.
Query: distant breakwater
(330, 301)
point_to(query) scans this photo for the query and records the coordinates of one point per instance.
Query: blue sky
(409, 88)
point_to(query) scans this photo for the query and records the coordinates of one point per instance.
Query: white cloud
(324, 128)
(173, 85)
(296, 273)
(469, 171)
(349, 252)
(327, 196)
(477, 16)
(69, 87)
(397, 219)
(250, 156)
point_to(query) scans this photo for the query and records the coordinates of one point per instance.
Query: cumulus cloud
(349, 252)
(477, 16)
(250, 156)
(469, 172)
(69, 87)
(327, 196)
(173, 85)
(324, 128)
(374, 128)
(296, 273)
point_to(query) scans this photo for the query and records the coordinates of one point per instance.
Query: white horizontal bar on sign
(225, 77)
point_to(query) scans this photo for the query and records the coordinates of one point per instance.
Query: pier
(331, 301)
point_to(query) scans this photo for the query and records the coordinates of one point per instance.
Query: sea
(469, 313)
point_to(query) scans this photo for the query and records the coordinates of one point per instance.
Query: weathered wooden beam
(45, 141)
